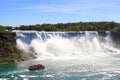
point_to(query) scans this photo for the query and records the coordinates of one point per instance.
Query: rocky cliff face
(8, 50)
(115, 36)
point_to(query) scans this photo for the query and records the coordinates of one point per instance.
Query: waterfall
(64, 44)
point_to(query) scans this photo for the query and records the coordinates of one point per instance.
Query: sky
(28, 12)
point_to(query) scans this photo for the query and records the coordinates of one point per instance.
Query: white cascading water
(83, 55)
(65, 45)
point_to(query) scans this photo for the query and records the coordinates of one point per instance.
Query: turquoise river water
(66, 56)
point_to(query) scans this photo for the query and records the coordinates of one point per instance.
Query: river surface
(63, 70)
(66, 56)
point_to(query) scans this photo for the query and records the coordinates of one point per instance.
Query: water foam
(65, 45)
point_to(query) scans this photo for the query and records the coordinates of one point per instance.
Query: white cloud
(77, 7)
(44, 8)
(71, 8)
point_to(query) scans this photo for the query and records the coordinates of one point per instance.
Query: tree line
(78, 26)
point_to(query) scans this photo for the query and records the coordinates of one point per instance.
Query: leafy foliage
(80, 26)
(8, 51)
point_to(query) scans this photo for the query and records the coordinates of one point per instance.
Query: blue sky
(25, 12)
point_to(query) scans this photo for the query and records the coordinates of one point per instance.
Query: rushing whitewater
(65, 45)
(83, 55)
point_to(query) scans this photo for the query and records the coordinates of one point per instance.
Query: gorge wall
(8, 50)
